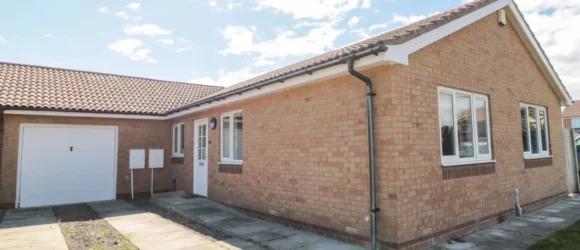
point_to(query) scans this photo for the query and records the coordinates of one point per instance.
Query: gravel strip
(83, 228)
(197, 227)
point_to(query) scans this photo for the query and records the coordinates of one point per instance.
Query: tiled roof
(572, 111)
(35, 87)
(392, 37)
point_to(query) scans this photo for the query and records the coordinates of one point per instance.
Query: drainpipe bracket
(371, 94)
(375, 210)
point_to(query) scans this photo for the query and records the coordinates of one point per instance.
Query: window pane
(532, 123)
(175, 139)
(482, 137)
(181, 127)
(525, 140)
(447, 124)
(226, 137)
(464, 126)
(238, 136)
(543, 130)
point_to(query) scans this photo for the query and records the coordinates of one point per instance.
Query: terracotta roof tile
(25, 86)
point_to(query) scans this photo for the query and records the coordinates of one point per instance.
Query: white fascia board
(400, 53)
(83, 114)
(317, 76)
(541, 58)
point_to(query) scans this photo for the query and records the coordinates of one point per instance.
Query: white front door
(200, 157)
(61, 164)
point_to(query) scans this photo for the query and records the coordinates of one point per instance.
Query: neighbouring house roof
(572, 111)
(35, 87)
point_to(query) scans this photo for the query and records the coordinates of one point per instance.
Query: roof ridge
(106, 74)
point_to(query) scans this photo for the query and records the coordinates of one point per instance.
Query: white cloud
(212, 3)
(554, 22)
(227, 78)
(353, 21)
(314, 9)
(404, 20)
(379, 26)
(121, 14)
(183, 49)
(362, 33)
(103, 9)
(241, 41)
(232, 5)
(124, 15)
(2, 40)
(131, 49)
(134, 5)
(366, 4)
(147, 30)
(166, 41)
(48, 35)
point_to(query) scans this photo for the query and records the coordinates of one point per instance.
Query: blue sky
(222, 42)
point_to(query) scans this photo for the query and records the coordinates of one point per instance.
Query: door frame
(46, 125)
(196, 123)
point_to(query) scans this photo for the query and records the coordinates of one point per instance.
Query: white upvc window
(232, 136)
(535, 137)
(464, 127)
(178, 139)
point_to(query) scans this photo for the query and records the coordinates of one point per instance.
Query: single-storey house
(412, 136)
(571, 117)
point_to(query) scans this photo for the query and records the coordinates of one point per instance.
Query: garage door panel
(54, 173)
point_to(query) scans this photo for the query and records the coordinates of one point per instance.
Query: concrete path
(150, 231)
(522, 232)
(31, 229)
(248, 232)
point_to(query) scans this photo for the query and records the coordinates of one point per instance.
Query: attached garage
(62, 164)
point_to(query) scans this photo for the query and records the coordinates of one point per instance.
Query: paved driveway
(31, 229)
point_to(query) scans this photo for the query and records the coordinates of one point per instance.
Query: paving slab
(148, 230)
(522, 232)
(31, 229)
(248, 233)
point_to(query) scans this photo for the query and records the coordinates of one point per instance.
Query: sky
(223, 42)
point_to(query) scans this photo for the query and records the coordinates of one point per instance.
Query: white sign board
(155, 158)
(136, 158)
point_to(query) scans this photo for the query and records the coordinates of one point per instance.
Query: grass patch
(568, 238)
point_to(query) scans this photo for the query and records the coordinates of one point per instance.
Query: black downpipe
(1, 136)
(371, 139)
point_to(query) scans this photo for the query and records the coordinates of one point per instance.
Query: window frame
(175, 151)
(542, 153)
(229, 160)
(453, 160)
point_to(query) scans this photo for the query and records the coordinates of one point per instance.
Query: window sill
(231, 163)
(537, 157)
(177, 159)
(470, 169)
(230, 168)
(452, 164)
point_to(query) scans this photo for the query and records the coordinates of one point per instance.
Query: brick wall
(483, 58)
(132, 134)
(305, 153)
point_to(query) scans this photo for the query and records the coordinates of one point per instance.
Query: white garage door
(62, 164)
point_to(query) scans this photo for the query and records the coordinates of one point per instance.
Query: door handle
(71, 148)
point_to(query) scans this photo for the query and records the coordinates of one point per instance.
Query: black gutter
(371, 141)
(309, 70)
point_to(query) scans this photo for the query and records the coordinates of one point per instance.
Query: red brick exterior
(131, 134)
(306, 156)
(305, 149)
